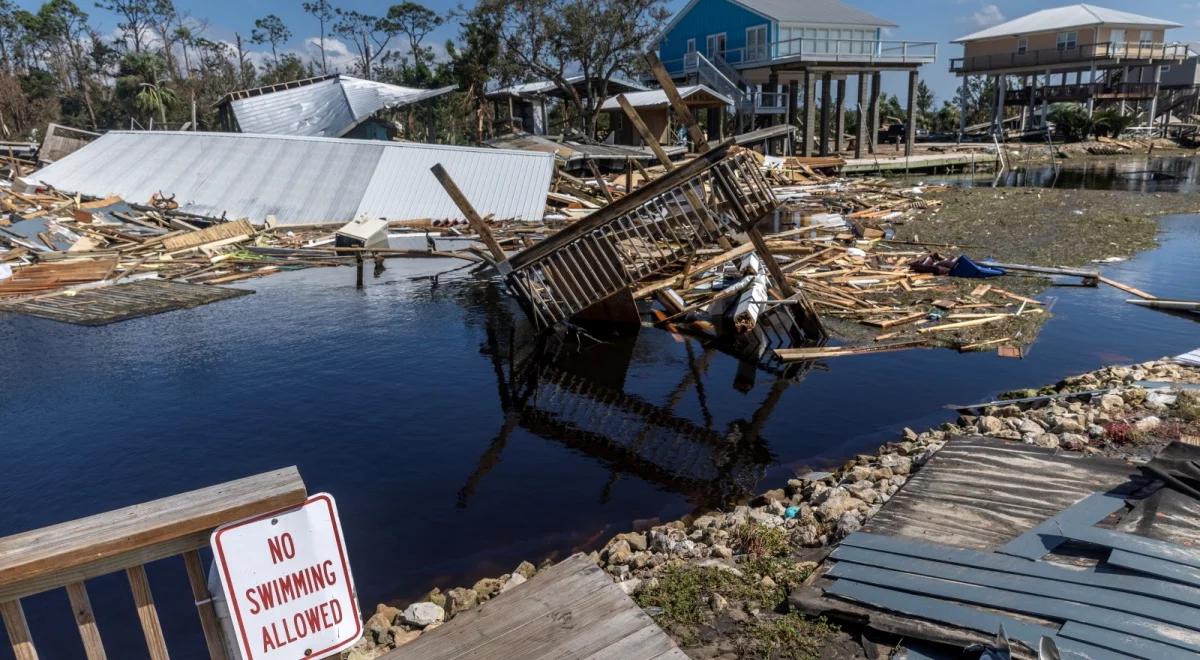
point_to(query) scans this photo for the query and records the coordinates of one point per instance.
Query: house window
(1022, 45)
(714, 46)
(1068, 40)
(691, 45)
(1147, 38)
(756, 43)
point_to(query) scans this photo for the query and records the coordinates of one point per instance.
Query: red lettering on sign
(302, 624)
(281, 547)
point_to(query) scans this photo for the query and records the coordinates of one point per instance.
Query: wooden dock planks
(121, 302)
(570, 610)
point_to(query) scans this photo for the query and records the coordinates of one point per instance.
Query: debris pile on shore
(718, 581)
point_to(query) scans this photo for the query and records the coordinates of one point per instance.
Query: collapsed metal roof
(329, 107)
(302, 180)
(657, 98)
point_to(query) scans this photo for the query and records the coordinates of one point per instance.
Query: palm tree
(154, 98)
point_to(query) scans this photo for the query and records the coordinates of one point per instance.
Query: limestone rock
(1112, 403)
(1147, 424)
(1047, 440)
(486, 588)
(423, 614)
(461, 600)
(514, 581)
(990, 425)
(529, 570)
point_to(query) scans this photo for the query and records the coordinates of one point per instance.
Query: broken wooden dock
(103, 305)
(570, 610)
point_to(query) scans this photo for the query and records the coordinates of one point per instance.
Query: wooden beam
(213, 635)
(18, 630)
(599, 179)
(681, 109)
(85, 620)
(147, 613)
(644, 131)
(54, 556)
(477, 223)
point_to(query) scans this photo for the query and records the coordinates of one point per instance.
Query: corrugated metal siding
(319, 110)
(506, 184)
(302, 180)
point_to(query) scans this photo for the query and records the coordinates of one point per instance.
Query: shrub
(1071, 120)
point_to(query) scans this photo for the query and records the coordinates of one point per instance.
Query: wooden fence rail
(67, 554)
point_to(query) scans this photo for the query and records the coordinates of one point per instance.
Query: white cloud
(986, 16)
(338, 55)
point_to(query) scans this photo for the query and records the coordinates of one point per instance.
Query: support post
(793, 112)
(860, 135)
(826, 101)
(810, 111)
(1046, 101)
(1157, 78)
(358, 270)
(1092, 90)
(476, 222)
(962, 106)
(1031, 88)
(876, 90)
(910, 132)
(839, 135)
(998, 115)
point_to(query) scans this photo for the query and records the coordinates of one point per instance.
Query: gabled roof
(816, 12)
(1070, 16)
(656, 98)
(302, 180)
(321, 107)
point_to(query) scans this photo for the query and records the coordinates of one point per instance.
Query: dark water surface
(452, 453)
(1155, 175)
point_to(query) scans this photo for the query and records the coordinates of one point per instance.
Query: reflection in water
(571, 390)
(1175, 174)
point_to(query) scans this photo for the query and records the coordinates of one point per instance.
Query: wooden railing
(67, 554)
(1083, 53)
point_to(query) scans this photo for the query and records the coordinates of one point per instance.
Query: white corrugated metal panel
(1070, 16)
(327, 108)
(302, 180)
(318, 110)
(505, 184)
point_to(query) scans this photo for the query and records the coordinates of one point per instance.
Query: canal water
(1152, 175)
(455, 446)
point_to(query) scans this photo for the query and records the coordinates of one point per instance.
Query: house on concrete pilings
(1077, 53)
(526, 107)
(763, 53)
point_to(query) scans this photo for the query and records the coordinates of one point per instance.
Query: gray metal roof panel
(826, 12)
(320, 109)
(302, 180)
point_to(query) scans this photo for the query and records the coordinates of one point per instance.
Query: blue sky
(920, 20)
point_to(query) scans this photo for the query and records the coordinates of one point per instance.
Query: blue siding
(711, 17)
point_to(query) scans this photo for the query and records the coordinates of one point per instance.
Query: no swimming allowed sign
(287, 581)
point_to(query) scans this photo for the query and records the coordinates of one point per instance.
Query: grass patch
(788, 636)
(685, 592)
(1187, 406)
(761, 541)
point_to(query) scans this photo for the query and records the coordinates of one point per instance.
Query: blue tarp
(964, 267)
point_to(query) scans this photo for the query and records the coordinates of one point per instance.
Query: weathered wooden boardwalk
(570, 610)
(121, 302)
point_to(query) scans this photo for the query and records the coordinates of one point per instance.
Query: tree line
(162, 66)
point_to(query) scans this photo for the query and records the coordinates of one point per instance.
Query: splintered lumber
(1047, 270)
(110, 304)
(888, 323)
(965, 324)
(724, 257)
(1014, 296)
(46, 277)
(799, 354)
(226, 230)
(1127, 289)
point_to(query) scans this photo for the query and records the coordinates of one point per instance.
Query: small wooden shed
(654, 108)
